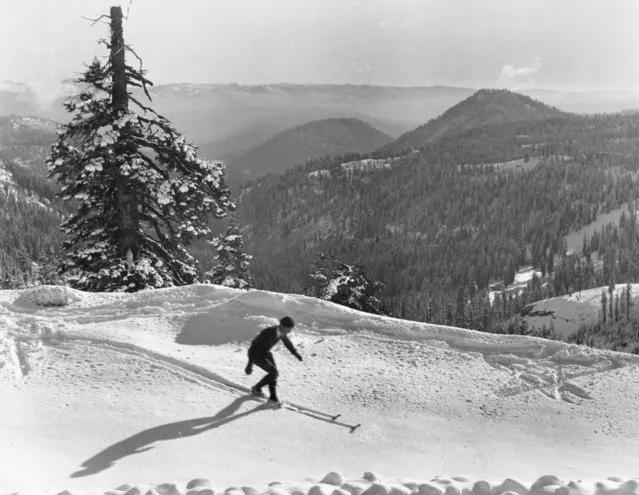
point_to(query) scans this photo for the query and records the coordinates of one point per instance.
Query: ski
(307, 411)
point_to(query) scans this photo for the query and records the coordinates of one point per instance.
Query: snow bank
(370, 483)
(239, 318)
(45, 295)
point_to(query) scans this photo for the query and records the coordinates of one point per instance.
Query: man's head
(286, 324)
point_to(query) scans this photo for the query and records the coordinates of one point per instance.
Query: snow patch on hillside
(6, 177)
(566, 313)
(369, 164)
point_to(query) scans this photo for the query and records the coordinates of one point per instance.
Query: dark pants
(267, 363)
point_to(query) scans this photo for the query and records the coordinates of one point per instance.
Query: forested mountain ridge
(26, 139)
(30, 213)
(432, 223)
(313, 139)
(484, 108)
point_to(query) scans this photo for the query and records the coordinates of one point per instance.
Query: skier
(259, 353)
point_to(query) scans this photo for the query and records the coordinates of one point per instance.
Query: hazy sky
(473, 43)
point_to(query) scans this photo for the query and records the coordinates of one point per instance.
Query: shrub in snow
(397, 489)
(355, 487)
(377, 489)
(333, 478)
(481, 488)
(343, 284)
(321, 489)
(510, 485)
(430, 489)
(231, 263)
(143, 194)
(168, 489)
(197, 482)
(546, 483)
(46, 295)
(201, 491)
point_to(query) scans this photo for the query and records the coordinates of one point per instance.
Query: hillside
(484, 108)
(313, 139)
(30, 214)
(147, 391)
(436, 231)
(565, 314)
(26, 139)
(261, 130)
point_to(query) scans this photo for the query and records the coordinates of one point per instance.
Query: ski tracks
(552, 374)
(190, 372)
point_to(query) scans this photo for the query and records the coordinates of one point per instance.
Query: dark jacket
(265, 340)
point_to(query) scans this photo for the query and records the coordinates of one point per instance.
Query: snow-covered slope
(133, 390)
(566, 313)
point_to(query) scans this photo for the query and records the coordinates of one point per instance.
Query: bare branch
(128, 9)
(143, 107)
(95, 21)
(143, 80)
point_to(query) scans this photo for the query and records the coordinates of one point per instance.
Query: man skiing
(259, 354)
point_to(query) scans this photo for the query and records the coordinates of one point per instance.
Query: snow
(145, 393)
(319, 173)
(5, 175)
(566, 313)
(368, 164)
(522, 277)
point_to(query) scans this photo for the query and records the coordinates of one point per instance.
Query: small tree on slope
(343, 284)
(231, 262)
(143, 194)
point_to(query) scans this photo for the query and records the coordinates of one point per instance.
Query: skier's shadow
(143, 441)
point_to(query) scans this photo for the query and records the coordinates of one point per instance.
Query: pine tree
(343, 284)
(461, 319)
(231, 262)
(628, 297)
(143, 194)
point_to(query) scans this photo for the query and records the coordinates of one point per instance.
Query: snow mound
(45, 295)
(373, 485)
(239, 319)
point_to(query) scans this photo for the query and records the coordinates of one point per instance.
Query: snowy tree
(143, 194)
(231, 262)
(343, 284)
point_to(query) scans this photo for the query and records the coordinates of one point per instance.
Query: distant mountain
(484, 108)
(313, 139)
(27, 140)
(209, 114)
(260, 131)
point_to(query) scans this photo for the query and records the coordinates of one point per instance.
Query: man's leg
(267, 363)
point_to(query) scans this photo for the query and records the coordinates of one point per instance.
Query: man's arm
(289, 345)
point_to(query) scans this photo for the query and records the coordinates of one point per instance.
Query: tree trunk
(126, 200)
